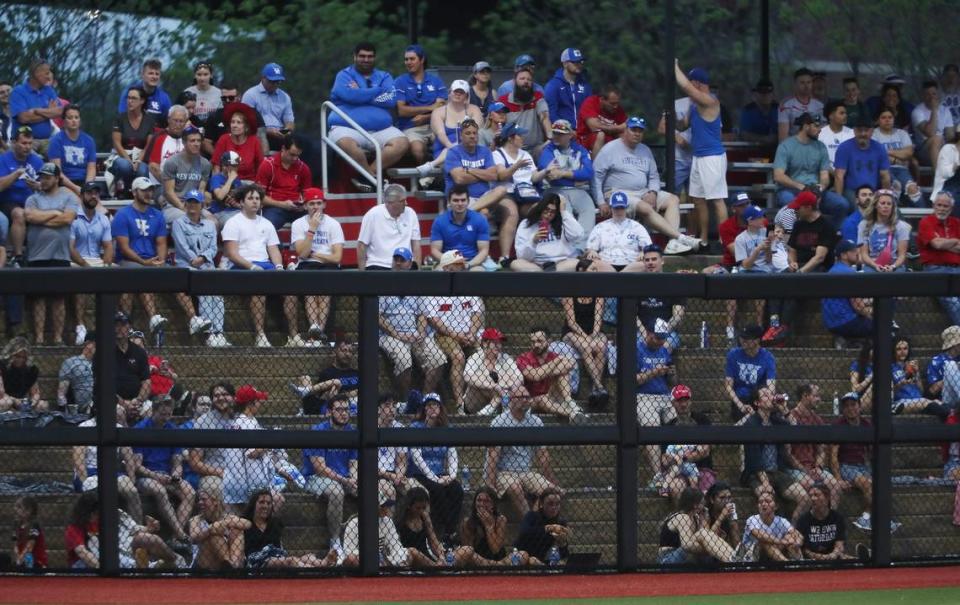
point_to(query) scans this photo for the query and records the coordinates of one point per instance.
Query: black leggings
(445, 504)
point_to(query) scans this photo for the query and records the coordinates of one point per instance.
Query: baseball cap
(194, 195)
(950, 337)
(121, 317)
(141, 183)
(681, 391)
(432, 397)
(312, 193)
(851, 396)
(480, 66)
(637, 122)
(742, 198)
(230, 158)
(804, 198)
(403, 253)
(273, 72)
(808, 118)
(460, 85)
(658, 327)
(753, 332)
(561, 126)
(394, 192)
(524, 60)
(511, 129)
(49, 169)
(863, 121)
(571, 54)
(492, 334)
(90, 336)
(845, 245)
(895, 79)
(137, 334)
(247, 393)
(619, 199)
(752, 212)
(451, 257)
(90, 186)
(497, 106)
(698, 74)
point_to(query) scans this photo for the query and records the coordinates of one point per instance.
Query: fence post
(883, 429)
(105, 393)
(627, 509)
(369, 509)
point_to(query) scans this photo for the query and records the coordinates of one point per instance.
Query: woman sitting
(217, 536)
(861, 374)
(583, 331)
(768, 536)
(546, 238)
(544, 529)
(687, 536)
(493, 125)
(908, 388)
(415, 528)
(722, 513)
(882, 236)
(824, 530)
(483, 534)
(263, 540)
(436, 469)
(516, 168)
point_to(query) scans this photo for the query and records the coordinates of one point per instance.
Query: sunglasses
(25, 130)
(228, 98)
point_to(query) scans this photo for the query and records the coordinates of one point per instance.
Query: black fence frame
(626, 435)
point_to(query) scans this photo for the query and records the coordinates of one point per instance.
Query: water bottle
(25, 405)
(704, 335)
(505, 402)
(449, 557)
(733, 511)
(553, 556)
(28, 560)
(465, 478)
(515, 557)
(158, 338)
(836, 404)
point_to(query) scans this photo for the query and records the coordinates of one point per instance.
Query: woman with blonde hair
(882, 236)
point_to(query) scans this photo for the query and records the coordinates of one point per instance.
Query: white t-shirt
(833, 139)
(252, 236)
(746, 243)
(618, 243)
(778, 528)
(947, 163)
(242, 473)
(382, 234)
(328, 233)
(921, 113)
(523, 175)
(898, 139)
(453, 312)
(791, 108)
(681, 108)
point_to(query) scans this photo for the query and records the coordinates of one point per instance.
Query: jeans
(123, 171)
(325, 487)
(210, 307)
(950, 304)
(280, 217)
(832, 204)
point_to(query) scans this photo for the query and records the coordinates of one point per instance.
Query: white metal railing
(376, 181)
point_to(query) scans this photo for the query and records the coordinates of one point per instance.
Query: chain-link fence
(446, 422)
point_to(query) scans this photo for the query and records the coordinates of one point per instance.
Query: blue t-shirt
(434, 457)
(216, 181)
(338, 460)
(19, 191)
(74, 155)
(460, 237)
(903, 391)
(749, 373)
(141, 228)
(23, 98)
(935, 367)
(863, 166)
(368, 100)
(416, 94)
(651, 359)
(157, 105)
(855, 367)
(851, 226)
(753, 120)
(157, 459)
(458, 157)
(838, 311)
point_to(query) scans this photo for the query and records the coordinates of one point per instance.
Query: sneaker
(425, 169)
(863, 552)
(839, 343)
(15, 261)
(895, 525)
(316, 332)
(179, 562)
(774, 334)
(298, 389)
(743, 554)
(335, 545)
(688, 240)
(505, 262)
(489, 410)
(157, 322)
(898, 409)
(674, 246)
(295, 341)
(362, 185)
(731, 334)
(81, 332)
(578, 417)
(217, 340)
(490, 265)
(863, 522)
(262, 341)
(199, 324)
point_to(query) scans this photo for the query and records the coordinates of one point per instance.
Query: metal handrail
(329, 105)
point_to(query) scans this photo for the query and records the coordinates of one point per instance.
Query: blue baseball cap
(403, 253)
(619, 199)
(273, 72)
(497, 106)
(845, 245)
(742, 198)
(571, 54)
(698, 74)
(524, 60)
(637, 122)
(194, 195)
(511, 129)
(752, 212)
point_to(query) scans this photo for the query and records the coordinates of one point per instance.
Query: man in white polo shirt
(385, 228)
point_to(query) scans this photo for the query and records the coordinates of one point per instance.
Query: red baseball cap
(247, 394)
(492, 334)
(804, 198)
(681, 391)
(312, 193)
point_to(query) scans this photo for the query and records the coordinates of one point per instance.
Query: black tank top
(583, 315)
(669, 538)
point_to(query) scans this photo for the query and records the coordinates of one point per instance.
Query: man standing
(861, 161)
(800, 103)
(157, 102)
(74, 151)
(601, 119)
(418, 94)
(183, 172)
(938, 240)
(847, 317)
(368, 96)
(317, 239)
(385, 228)
(708, 170)
(836, 131)
(568, 88)
(546, 375)
(628, 165)
(571, 174)
(461, 229)
(91, 245)
(272, 103)
(49, 214)
(528, 109)
(284, 177)
(812, 238)
(141, 235)
(18, 180)
(35, 104)
(332, 473)
(950, 84)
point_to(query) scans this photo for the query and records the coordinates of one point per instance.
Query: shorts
(531, 481)
(402, 354)
(263, 264)
(654, 410)
(850, 472)
(780, 480)
(7, 209)
(673, 556)
(50, 262)
(634, 200)
(422, 134)
(708, 177)
(92, 262)
(382, 137)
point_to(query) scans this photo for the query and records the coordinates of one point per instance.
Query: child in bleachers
(29, 545)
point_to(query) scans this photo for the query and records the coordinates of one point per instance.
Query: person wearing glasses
(132, 134)
(19, 170)
(207, 95)
(273, 103)
(157, 101)
(418, 94)
(480, 93)
(35, 103)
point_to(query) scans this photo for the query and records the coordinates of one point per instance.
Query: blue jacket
(576, 158)
(368, 104)
(564, 99)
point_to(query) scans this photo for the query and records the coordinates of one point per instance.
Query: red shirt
(251, 155)
(930, 228)
(852, 453)
(159, 384)
(282, 184)
(805, 453)
(591, 109)
(24, 534)
(77, 536)
(164, 146)
(530, 360)
(728, 231)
